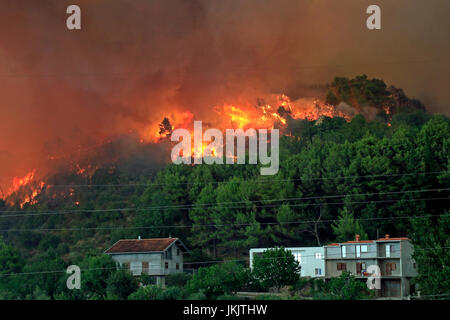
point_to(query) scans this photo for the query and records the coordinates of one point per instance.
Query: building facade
(310, 259)
(157, 257)
(392, 258)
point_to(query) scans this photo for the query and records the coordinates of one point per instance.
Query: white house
(156, 257)
(311, 259)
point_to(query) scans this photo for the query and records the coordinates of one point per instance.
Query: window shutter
(358, 268)
(145, 267)
(394, 266)
(388, 268)
(344, 267)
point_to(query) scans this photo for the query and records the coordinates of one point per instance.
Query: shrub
(219, 279)
(150, 292)
(121, 284)
(178, 279)
(344, 287)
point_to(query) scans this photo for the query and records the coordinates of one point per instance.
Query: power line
(224, 182)
(204, 262)
(219, 204)
(236, 207)
(213, 225)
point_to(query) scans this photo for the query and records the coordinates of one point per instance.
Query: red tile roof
(142, 245)
(387, 239)
(366, 241)
(348, 242)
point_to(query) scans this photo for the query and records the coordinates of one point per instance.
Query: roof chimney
(139, 237)
(357, 237)
(386, 236)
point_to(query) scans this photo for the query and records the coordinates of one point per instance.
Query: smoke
(135, 61)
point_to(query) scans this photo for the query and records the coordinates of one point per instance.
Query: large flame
(24, 189)
(269, 113)
(272, 112)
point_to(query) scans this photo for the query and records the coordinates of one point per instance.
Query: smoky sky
(134, 61)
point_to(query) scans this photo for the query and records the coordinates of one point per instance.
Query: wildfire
(27, 187)
(274, 111)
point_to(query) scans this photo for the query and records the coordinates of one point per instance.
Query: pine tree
(347, 227)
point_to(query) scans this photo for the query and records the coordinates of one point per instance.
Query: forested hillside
(336, 178)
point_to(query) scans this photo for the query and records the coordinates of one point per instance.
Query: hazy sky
(135, 60)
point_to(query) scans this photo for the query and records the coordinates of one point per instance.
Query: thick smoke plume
(136, 61)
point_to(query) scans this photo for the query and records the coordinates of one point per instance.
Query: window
(388, 250)
(414, 265)
(177, 266)
(342, 266)
(169, 254)
(126, 266)
(145, 267)
(344, 251)
(166, 265)
(358, 251)
(388, 269)
(358, 268)
(318, 271)
(364, 248)
(318, 255)
(178, 252)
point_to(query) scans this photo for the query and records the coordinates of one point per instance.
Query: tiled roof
(350, 242)
(388, 239)
(142, 245)
(365, 241)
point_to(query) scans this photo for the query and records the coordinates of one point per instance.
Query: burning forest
(90, 110)
(273, 111)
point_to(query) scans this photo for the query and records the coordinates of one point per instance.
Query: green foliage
(268, 297)
(276, 268)
(347, 227)
(431, 252)
(121, 284)
(219, 279)
(94, 280)
(10, 259)
(145, 279)
(150, 292)
(178, 279)
(344, 287)
(155, 292)
(38, 294)
(48, 283)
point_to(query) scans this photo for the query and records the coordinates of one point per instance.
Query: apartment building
(393, 257)
(310, 259)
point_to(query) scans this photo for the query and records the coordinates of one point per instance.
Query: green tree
(431, 252)
(347, 227)
(10, 263)
(97, 271)
(10, 259)
(276, 268)
(121, 284)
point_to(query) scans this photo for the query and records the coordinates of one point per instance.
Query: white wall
(306, 256)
